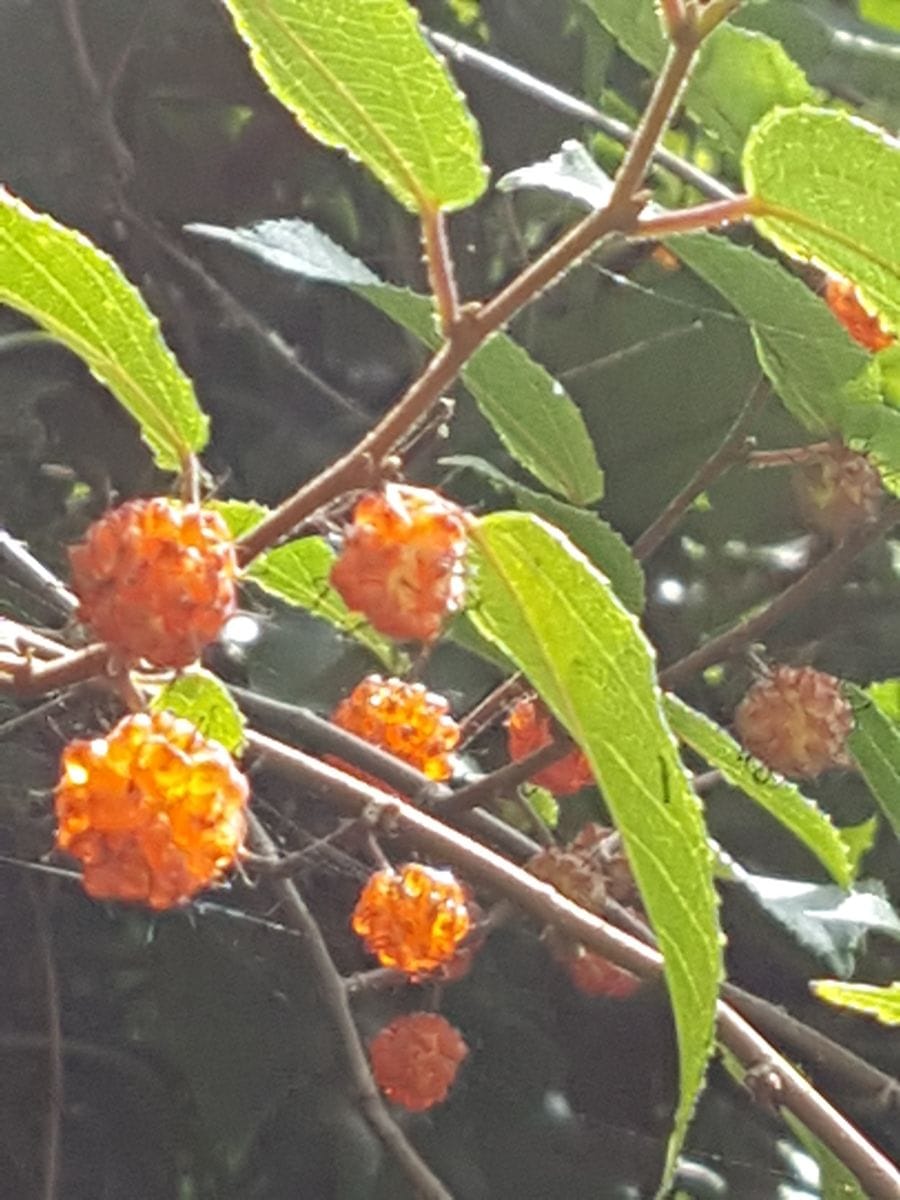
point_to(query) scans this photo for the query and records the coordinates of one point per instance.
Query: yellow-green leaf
(540, 599)
(207, 703)
(783, 800)
(830, 183)
(883, 1003)
(358, 75)
(78, 294)
(298, 572)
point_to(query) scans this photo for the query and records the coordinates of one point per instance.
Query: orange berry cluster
(415, 1059)
(528, 729)
(156, 579)
(412, 919)
(796, 721)
(594, 975)
(402, 563)
(154, 811)
(406, 720)
(838, 491)
(842, 297)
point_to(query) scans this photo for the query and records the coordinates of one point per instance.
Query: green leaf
(881, 12)
(532, 414)
(360, 76)
(557, 618)
(79, 295)
(239, 515)
(886, 695)
(783, 800)
(839, 177)
(835, 1181)
(823, 376)
(828, 922)
(207, 703)
(740, 74)
(815, 366)
(875, 747)
(298, 572)
(606, 548)
(883, 1003)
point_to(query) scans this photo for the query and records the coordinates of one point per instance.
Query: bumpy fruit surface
(402, 563)
(405, 719)
(415, 1059)
(796, 721)
(528, 728)
(592, 867)
(595, 975)
(156, 579)
(412, 919)
(154, 811)
(842, 298)
(838, 491)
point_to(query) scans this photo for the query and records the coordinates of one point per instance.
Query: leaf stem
(697, 217)
(441, 273)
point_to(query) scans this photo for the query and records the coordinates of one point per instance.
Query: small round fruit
(838, 491)
(595, 975)
(156, 579)
(406, 720)
(796, 721)
(154, 811)
(415, 1059)
(842, 297)
(403, 561)
(412, 919)
(528, 729)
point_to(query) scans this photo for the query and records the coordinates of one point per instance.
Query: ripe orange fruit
(154, 811)
(156, 579)
(415, 1059)
(528, 728)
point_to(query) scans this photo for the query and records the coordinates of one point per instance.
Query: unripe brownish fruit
(837, 492)
(796, 721)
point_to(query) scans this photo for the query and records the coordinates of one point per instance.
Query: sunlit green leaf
(740, 74)
(606, 548)
(298, 572)
(881, 12)
(239, 515)
(835, 1181)
(205, 701)
(361, 77)
(783, 800)
(556, 616)
(875, 747)
(77, 293)
(532, 414)
(813, 363)
(883, 1003)
(839, 177)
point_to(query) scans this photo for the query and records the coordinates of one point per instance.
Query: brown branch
(690, 220)
(735, 447)
(876, 1173)
(793, 456)
(494, 703)
(29, 679)
(363, 464)
(334, 996)
(828, 570)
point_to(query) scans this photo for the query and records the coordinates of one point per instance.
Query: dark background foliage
(197, 1059)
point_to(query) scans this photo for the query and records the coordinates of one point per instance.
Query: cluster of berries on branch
(529, 727)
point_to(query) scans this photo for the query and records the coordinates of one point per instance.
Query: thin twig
(553, 97)
(792, 456)
(875, 1172)
(828, 570)
(55, 1084)
(441, 273)
(505, 780)
(28, 679)
(734, 447)
(18, 562)
(494, 703)
(335, 998)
